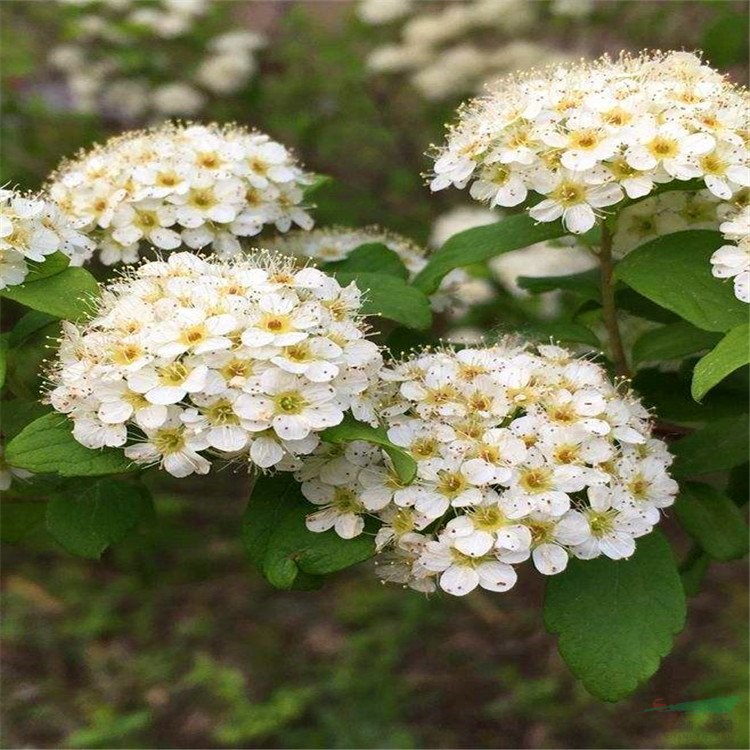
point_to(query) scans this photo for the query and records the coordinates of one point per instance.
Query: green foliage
(675, 341)
(481, 243)
(245, 720)
(391, 297)
(26, 361)
(16, 413)
(725, 41)
(616, 619)
(87, 517)
(279, 544)
(67, 294)
(675, 272)
(47, 445)
(732, 352)
(51, 265)
(562, 331)
(717, 446)
(585, 284)
(3, 358)
(373, 257)
(712, 520)
(404, 465)
(18, 518)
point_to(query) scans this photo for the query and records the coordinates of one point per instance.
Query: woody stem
(617, 350)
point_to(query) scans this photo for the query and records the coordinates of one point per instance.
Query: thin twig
(609, 310)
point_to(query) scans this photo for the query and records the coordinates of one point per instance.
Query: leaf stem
(617, 350)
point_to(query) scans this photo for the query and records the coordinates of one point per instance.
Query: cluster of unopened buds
(31, 229)
(458, 288)
(245, 359)
(193, 185)
(522, 451)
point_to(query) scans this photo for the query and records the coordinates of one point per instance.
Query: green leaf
(373, 257)
(279, 544)
(674, 341)
(18, 518)
(86, 520)
(16, 413)
(675, 272)
(51, 265)
(392, 298)
(349, 430)
(68, 294)
(47, 445)
(712, 520)
(730, 353)
(718, 446)
(480, 243)
(693, 571)
(616, 618)
(26, 361)
(563, 331)
(319, 181)
(28, 325)
(629, 300)
(585, 284)
(668, 394)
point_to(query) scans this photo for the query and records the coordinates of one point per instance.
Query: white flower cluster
(242, 359)
(522, 451)
(733, 260)
(32, 228)
(195, 185)
(457, 291)
(453, 49)
(586, 136)
(102, 74)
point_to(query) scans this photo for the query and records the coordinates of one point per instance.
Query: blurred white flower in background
(454, 48)
(177, 76)
(383, 11)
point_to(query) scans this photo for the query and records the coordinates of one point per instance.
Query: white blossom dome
(330, 244)
(523, 451)
(181, 184)
(31, 228)
(586, 136)
(188, 359)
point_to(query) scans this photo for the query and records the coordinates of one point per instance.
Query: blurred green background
(172, 640)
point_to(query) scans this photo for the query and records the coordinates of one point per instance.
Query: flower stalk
(609, 309)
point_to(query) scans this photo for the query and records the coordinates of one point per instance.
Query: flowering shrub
(194, 184)
(314, 362)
